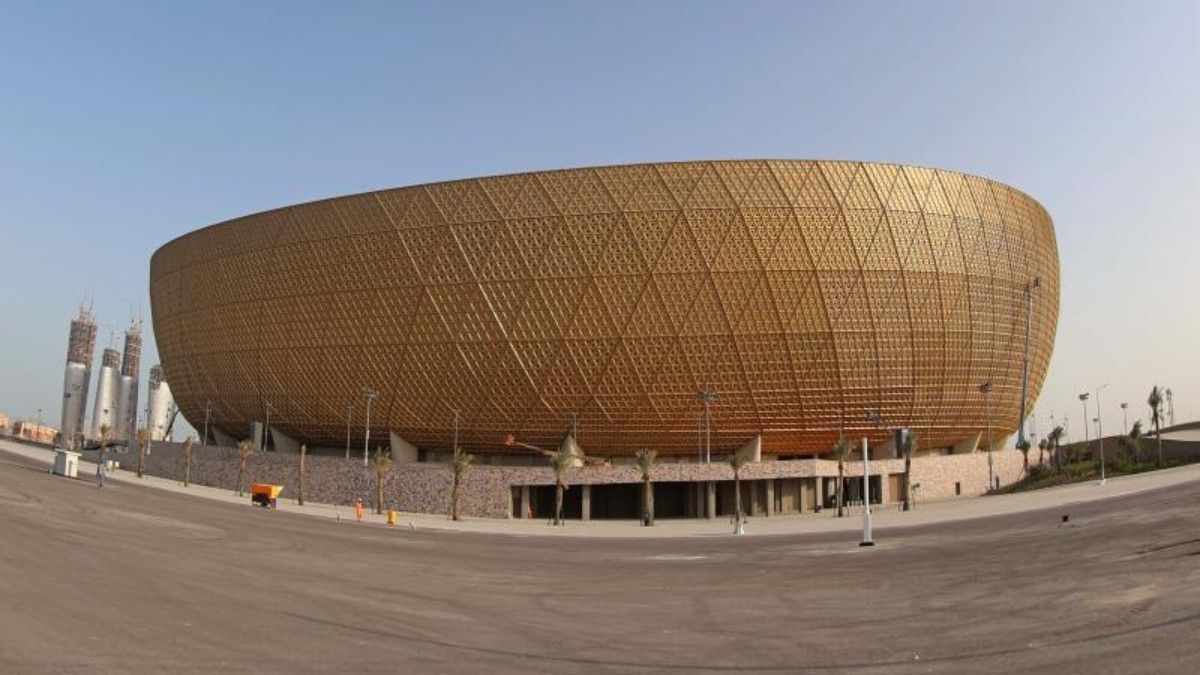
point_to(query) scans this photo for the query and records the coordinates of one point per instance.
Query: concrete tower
(105, 410)
(127, 388)
(81, 348)
(159, 403)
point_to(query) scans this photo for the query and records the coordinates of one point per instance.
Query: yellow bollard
(391, 517)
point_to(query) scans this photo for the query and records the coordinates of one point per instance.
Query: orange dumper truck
(265, 494)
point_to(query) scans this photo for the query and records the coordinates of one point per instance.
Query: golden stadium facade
(803, 293)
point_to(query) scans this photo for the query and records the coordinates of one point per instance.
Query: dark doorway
(542, 497)
(617, 501)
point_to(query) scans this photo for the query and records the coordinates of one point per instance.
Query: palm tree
(104, 430)
(841, 452)
(736, 461)
(187, 460)
(1042, 445)
(460, 464)
(303, 474)
(382, 461)
(645, 461)
(1155, 401)
(143, 437)
(908, 447)
(561, 459)
(1024, 445)
(1054, 439)
(245, 450)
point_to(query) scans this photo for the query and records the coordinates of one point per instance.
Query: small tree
(143, 437)
(382, 461)
(1024, 445)
(561, 460)
(1155, 401)
(187, 460)
(841, 452)
(908, 447)
(1133, 441)
(245, 450)
(738, 460)
(1042, 444)
(645, 462)
(459, 465)
(303, 474)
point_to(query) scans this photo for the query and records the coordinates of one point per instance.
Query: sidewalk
(883, 517)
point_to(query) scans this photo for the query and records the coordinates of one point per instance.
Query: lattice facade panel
(802, 292)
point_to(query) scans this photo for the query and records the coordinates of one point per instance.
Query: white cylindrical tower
(160, 405)
(105, 410)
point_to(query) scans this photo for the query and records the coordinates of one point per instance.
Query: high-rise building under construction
(81, 348)
(127, 387)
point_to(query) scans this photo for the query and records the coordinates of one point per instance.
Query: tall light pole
(267, 428)
(986, 389)
(1029, 289)
(370, 394)
(707, 396)
(349, 412)
(455, 446)
(874, 418)
(1125, 417)
(1170, 407)
(1100, 432)
(1083, 398)
(207, 408)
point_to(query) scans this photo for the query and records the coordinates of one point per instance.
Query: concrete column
(524, 502)
(770, 497)
(585, 511)
(710, 500)
(402, 450)
(819, 483)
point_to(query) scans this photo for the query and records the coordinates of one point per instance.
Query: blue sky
(125, 124)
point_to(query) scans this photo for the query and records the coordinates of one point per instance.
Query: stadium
(801, 293)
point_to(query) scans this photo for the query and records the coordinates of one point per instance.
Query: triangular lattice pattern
(802, 292)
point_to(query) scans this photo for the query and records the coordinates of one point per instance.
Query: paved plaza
(135, 580)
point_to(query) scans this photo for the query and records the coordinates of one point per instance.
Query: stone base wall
(486, 490)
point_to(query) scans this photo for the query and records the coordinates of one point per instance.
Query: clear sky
(125, 124)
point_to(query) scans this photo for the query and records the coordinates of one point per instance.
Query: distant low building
(32, 431)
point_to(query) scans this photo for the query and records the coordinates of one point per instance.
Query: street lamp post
(1100, 432)
(1083, 398)
(207, 408)
(1029, 289)
(707, 396)
(986, 389)
(867, 539)
(267, 428)
(370, 394)
(1125, 418)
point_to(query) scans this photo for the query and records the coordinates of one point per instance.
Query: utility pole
(1100, 433)
(867, 539)
(267, 428)
(1083, 398)
(207, 408)
(986, 389)
(1029, 289)
(370, 394)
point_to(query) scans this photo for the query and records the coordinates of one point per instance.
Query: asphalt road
(135, 580)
